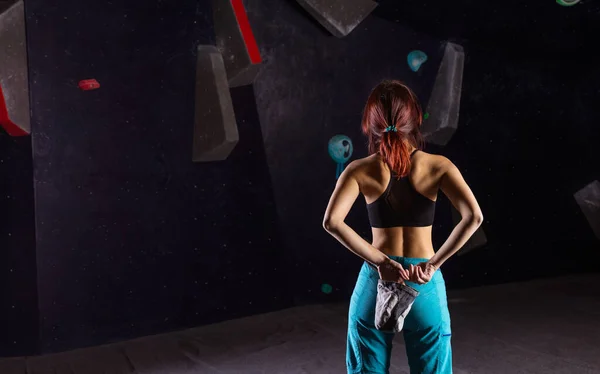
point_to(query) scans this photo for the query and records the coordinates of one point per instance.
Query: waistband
(405, 262)
(408, 260)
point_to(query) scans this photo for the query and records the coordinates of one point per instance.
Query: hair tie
(390, 128)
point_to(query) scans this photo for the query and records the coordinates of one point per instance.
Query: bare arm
(343, 197)
(460, 195)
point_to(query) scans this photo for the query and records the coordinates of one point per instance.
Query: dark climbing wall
(135, 239)
(313, 86)
(18, 288)
(132, 237)
(524, 143)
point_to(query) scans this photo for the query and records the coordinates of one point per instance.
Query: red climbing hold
(89, 84)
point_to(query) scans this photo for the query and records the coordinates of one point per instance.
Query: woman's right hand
(421, 273)
(392, 271)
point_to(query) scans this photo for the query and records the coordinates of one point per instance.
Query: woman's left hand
(392, 271)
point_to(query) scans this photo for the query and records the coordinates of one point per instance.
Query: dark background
(109, 231)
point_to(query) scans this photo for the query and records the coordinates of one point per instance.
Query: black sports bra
(401, 205)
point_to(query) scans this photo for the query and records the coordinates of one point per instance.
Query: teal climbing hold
(326, 288)
(415, 59)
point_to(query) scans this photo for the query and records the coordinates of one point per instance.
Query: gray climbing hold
(215, 127)
(339, 17)
(588, 199)
(444, 103)
(14, 80)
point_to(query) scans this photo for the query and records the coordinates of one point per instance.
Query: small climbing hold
(89, 84)
(416, 59)
(340, 149)
(567, 2)
(326, 288)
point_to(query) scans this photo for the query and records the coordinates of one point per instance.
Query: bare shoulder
(362, 165)
(437, 164)
(363, 168)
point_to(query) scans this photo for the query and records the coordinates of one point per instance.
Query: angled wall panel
(215, 127)
(14, 81)
(444, 102)
(588, 199)
(236, 42)
(339, 17)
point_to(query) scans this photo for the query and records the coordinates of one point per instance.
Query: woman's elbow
(473, 217)
(330, 224)
(477, 218)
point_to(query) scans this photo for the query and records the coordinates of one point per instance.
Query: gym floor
(543, 326)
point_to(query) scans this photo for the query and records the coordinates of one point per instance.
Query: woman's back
(401, 212)
(401, 209)
(400, 185)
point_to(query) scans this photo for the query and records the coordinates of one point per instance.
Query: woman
(400, 185)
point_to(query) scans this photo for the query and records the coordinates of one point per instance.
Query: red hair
(393, 106)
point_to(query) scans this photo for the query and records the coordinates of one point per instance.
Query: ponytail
(395, 152)
(391, 120)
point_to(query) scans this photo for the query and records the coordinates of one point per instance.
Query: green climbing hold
(426, 115)
(567, 2)
(326, 288)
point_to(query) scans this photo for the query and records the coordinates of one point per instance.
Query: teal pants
(426, 327)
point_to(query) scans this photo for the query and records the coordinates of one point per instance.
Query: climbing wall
(310, 93)
(132, 237)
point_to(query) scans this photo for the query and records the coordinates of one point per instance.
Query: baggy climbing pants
(426, 329)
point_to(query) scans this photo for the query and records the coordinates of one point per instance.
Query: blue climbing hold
(340, 149)
(416, 59)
